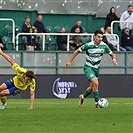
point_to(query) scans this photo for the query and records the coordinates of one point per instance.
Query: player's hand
(68, 64)
(115, 63)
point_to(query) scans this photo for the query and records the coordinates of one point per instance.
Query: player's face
(27, 79)
(98, 38)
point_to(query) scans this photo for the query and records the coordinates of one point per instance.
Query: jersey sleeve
(33, 85)
(84, 47)
(18, 69)
(108, 50)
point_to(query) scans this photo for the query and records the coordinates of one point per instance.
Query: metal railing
(68, 37)
(112, 24)
(13, 28)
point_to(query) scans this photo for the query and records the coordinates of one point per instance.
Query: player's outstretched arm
(8, 58)
(68, 64)
(32, 97)
(114, 59)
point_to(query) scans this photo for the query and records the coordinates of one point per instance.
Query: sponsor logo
(63, 88)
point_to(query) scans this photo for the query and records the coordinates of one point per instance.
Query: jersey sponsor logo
(63, 88)
(96, 51)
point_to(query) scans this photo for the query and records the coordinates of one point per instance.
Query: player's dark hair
(98, 32)
(30, 74)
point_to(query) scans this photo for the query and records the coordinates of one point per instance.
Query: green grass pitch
(64, 116)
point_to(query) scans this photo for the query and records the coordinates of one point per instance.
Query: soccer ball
(103, 103)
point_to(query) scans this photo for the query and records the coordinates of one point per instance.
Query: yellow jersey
(19, 81)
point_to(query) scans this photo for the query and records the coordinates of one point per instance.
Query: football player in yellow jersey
(18, 84)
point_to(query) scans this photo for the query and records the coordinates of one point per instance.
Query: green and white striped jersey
(94, 53)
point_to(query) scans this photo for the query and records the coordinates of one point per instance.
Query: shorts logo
(62, 89)
(91, 75)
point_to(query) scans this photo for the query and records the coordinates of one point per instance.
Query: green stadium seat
(8, 31)
(49, 29)
(67, 29)
(52, 45)
(17, 29)
(41, 43)
(57, 29)
(7, 42)
(86, 39)
(84, 30)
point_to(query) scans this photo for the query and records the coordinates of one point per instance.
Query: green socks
(86, 93)
(96, 96)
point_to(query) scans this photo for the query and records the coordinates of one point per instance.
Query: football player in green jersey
(94, 52)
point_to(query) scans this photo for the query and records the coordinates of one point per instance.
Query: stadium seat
(52, 45)
(49, 29)
(7, 42)
(8, 31)
(57, 29)
(86, 39)
(84, 30)
(67, 29)
(41, 43)
(17, 29)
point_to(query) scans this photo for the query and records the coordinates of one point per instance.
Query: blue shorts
(12, 89)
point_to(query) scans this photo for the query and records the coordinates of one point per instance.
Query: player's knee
(89, 89)
(3, 93)
(95, 83)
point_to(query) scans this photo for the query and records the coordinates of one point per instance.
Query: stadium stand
(17, 29)
(57, 29)
(7, 42)
(52, 45)
(8, 31)
(84, 30)
(50, 29)
(67, 29)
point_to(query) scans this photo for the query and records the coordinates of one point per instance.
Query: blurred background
(99, 8)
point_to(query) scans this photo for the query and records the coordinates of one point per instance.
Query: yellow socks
(3, 100)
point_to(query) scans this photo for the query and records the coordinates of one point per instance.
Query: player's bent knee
(4, 93)
(95, 82)
(1, 95)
